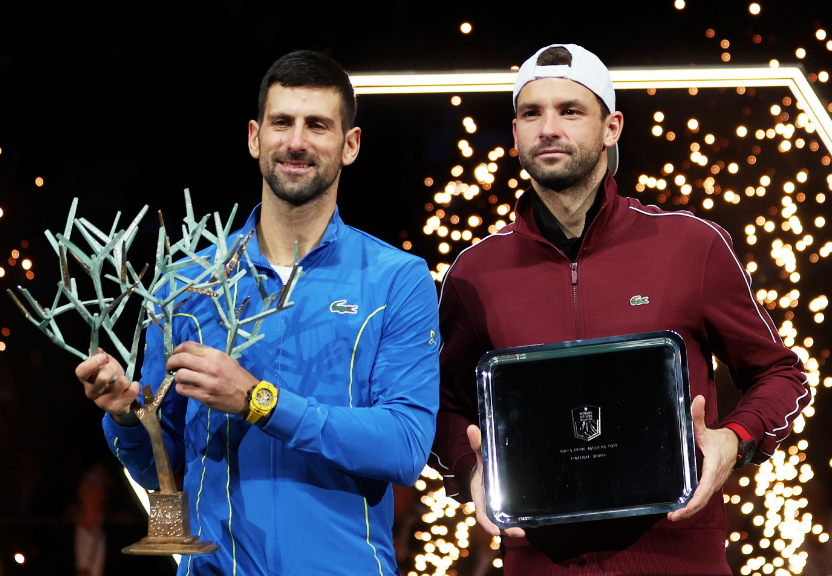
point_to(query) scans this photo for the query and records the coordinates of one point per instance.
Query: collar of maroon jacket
(608, 213)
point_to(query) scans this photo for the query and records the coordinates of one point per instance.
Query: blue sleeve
(132, 445)
(389, 440)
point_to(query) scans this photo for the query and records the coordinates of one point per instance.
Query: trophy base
(149, 546)
(168, 528)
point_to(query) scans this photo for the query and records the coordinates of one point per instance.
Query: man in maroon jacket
(582, 262)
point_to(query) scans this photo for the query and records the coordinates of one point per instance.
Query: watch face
(263, 397)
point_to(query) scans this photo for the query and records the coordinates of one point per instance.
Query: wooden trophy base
(169, 529)
(167, 546)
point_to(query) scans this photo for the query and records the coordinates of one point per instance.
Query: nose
(551, 127)
(297, 141)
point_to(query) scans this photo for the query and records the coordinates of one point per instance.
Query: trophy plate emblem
(586, 422)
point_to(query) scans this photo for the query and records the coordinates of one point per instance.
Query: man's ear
(352, 143)
(514, 132)
(614, 125)
(254, 139)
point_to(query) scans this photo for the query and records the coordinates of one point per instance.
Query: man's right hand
(106, 385)
(478, 491)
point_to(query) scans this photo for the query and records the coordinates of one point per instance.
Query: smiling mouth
(295, 166)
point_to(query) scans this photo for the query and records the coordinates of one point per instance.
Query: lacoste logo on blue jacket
(341, 307)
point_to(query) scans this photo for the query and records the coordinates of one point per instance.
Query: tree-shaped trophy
(168, 523)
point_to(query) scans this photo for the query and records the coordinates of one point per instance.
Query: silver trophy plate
(586, 430)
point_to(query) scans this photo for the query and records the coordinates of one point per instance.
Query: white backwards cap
(586, 69)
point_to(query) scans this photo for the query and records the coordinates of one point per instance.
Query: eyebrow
(319, 118)
(311, 119)
(574, 103)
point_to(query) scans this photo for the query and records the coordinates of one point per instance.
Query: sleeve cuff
(286, 416)
(462, 471)
(750, 423)
(739, 430)
(125, 434)
(754, 428)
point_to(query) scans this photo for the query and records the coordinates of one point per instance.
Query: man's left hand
(719, 448)
(211, 377)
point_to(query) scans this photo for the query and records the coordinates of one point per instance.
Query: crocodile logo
(341, 307)
(638, 300)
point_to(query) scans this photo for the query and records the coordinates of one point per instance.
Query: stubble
(304, 190)
(571, 173)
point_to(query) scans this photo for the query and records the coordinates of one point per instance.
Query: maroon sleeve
(461, 350)
(744, 338)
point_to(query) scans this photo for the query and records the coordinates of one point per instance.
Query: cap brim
(612, 159)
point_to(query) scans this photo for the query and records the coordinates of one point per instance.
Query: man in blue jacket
(304, 488)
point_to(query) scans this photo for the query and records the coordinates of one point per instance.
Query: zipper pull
(574, 273)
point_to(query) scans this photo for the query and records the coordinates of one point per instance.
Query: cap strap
(554, 71)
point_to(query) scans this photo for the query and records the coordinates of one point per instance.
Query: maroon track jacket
(514, 288)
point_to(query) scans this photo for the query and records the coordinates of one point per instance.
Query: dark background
(122, 105)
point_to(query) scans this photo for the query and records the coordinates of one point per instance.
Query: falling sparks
(14, 259)
(785, 233)
(25, 270)
(785, 521)
(446, 537)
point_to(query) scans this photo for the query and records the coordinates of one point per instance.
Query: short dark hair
(558, 55)
(311, 69)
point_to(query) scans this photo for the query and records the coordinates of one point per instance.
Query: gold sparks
(784, 231)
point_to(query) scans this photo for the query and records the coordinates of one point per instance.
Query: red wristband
(739, 430)
(746, 445)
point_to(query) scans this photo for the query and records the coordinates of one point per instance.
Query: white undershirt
(283, 272)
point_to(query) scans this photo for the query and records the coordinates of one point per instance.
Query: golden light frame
(790, 77)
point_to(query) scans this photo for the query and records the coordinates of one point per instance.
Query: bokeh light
(704, 159)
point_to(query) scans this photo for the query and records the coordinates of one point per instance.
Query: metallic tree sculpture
(168, 522)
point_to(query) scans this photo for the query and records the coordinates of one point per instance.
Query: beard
(575, 169)
(299, 191)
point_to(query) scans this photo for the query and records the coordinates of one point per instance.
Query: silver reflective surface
(586, 430)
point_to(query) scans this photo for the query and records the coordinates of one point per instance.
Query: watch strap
(252, 417)
(747, 444)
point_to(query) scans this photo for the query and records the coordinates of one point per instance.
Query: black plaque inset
(586, 430)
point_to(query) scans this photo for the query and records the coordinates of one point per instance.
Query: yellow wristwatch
(261, 401)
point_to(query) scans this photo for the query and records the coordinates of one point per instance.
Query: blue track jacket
(309, 493)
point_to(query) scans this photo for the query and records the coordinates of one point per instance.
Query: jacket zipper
(574, 267)
(574, 270)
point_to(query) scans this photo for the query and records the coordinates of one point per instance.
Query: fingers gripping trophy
(179, 273)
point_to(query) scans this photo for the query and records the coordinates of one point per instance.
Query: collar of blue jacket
(334, 230)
